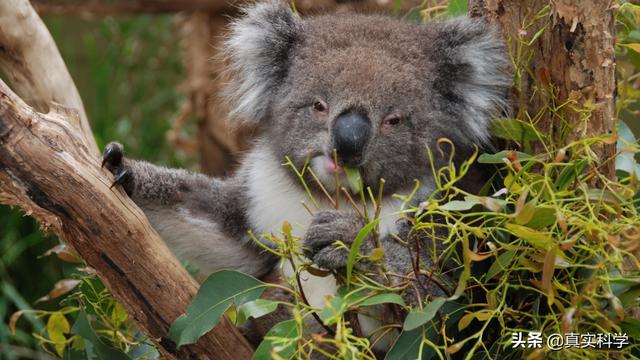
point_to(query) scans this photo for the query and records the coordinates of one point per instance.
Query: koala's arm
(201, 219)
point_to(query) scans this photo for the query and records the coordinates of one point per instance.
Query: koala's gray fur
(445, 79)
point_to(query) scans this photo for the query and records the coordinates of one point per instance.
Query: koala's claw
(113, 160)
(112, 156)
(326, 227)
(121, 178)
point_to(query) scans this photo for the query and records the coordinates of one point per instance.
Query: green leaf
(460, 205)
(498, 157)
(501, 263)
(83, 328)
(457, 8)
(631, 327)
(527, 213)
(255, 309)
(543, 217)
(354, 179)
(57, 327)
(344, 300)
(417, 318)
(215, 296)
(407, 346)
(514, 129)
(281, 340)
(388, 298)
(635, 47)
(631, 297)
(334, 309)
(355, 247)
(570, 173)
(118, 315)
(536, 238)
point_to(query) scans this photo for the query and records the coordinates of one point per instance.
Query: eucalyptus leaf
(570, 173)
(460, 205)
(501, 263)
(333, 310)
(355, 247)
(83, 328)
(543, 217)
(255, 309)
(417, 318)
(498, 157)
(389, 298)
(536, 238)
(215, 296)
(407, 345)
(281, 340)
(354, 179)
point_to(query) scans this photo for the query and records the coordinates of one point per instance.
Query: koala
(376, 89)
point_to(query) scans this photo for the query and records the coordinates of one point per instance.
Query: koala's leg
(201, 219)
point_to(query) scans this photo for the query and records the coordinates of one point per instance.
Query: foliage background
(128, 70)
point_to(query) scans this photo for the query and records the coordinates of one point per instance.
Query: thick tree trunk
(49, 170)
(572, 62)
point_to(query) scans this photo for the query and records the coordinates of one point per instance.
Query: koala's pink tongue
(333, 167)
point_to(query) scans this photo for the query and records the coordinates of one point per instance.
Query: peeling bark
(573, 58)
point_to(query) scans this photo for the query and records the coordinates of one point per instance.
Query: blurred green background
(127, 70)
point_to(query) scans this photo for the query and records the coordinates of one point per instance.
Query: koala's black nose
(350, 134)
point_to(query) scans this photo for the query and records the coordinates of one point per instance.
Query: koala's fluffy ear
(472, 74)
(257, 52)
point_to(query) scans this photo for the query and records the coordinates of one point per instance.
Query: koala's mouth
(326, 171)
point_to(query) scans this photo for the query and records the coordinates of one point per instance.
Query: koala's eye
(320, 106)
(391, 120)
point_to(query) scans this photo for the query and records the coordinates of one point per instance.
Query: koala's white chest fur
(276, 198)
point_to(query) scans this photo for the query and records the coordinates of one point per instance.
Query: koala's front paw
(113, 160)
(327, 227)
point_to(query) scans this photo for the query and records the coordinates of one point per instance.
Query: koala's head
(376, 89)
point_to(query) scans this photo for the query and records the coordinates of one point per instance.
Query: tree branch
(32, 63)
(48, 169)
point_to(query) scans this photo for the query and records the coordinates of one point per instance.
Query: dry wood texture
(573, 59)
(48, 169)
